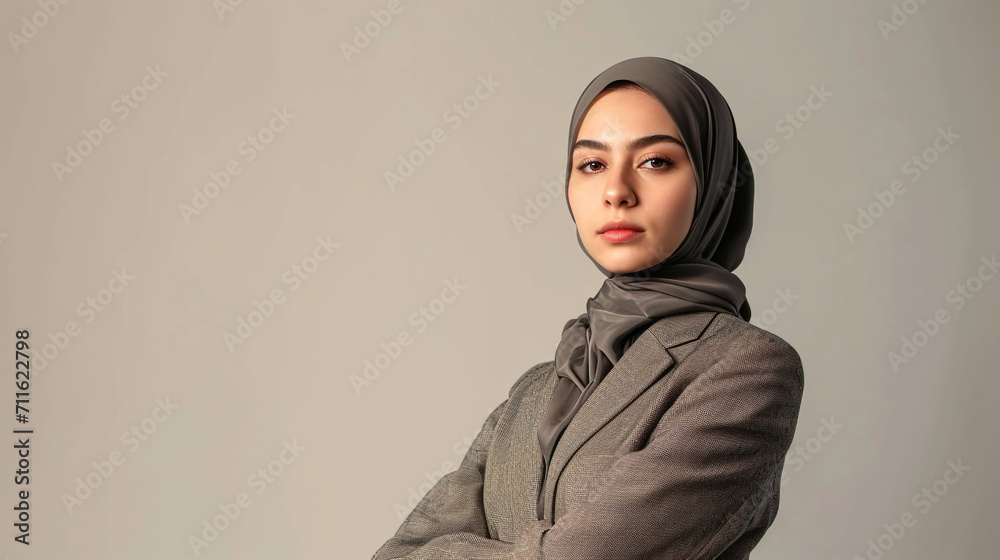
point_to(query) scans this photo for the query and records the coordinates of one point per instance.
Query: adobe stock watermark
(565, 8)
(533, 206)
(225, 7)
(365, 34)
(929, 328)
(923, 500)
(123, 105)
(455, 115)
(30, 26)
(899, 16)
(133, 438)
(421, 319)
(800, 454)
(697, 43)
(249, 148)
(789, 124)
(293, 277)
(459, 448)
(88, 310)
(780, 305)
(260, 481)
(914, 168)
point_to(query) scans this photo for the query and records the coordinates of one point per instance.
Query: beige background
(162, 335)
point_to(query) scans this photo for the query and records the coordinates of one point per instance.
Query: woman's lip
(620, 235)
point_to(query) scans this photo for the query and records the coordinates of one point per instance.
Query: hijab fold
(696, 277)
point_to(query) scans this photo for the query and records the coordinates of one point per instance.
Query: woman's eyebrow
(635, 144)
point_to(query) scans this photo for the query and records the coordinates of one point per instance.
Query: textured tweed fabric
(677, 455)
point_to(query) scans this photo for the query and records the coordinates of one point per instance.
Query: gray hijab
(696, 277)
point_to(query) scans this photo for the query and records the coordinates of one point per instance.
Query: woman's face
(630, 165)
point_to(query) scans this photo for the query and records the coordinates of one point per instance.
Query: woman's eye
(663, 163)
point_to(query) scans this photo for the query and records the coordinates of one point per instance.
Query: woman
(660, 429)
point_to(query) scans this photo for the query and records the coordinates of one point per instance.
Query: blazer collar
(639, 367)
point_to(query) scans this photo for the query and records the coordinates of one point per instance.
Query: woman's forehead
(622, 115)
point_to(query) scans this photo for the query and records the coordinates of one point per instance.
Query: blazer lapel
(638, 368)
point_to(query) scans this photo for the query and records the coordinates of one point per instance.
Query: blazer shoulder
(534, 373)
(737, 335)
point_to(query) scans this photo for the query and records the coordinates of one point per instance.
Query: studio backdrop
(273, 263)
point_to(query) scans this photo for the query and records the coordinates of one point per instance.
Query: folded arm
(708, 477)
(454, 505)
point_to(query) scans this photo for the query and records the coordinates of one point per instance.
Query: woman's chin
(625, 265)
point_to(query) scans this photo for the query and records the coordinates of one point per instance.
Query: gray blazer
(677, 454)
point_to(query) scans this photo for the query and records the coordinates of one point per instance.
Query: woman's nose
(618, 190)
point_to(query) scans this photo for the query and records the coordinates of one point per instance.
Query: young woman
(659, 430)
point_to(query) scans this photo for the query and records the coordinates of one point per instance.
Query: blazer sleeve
(705, 486)
(454, 505)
